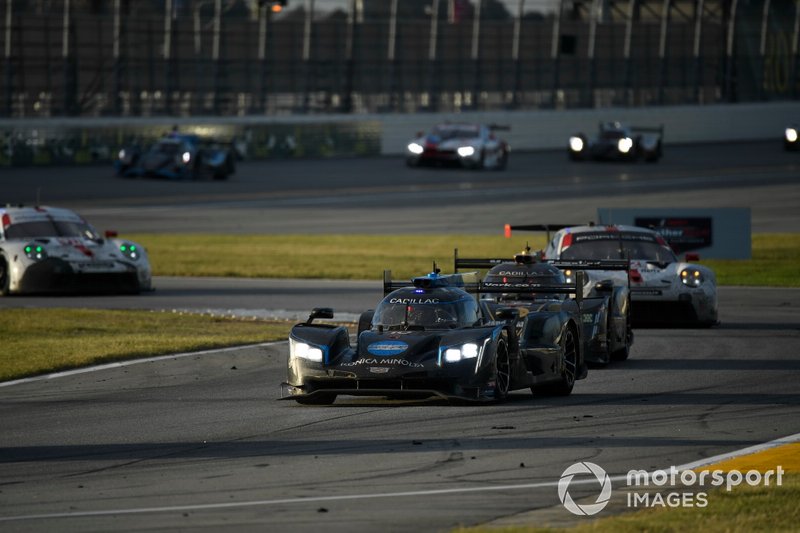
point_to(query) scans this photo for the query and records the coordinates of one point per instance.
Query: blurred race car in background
(663, 289)
(465, 145)
(605, 311)
(50, 250)
(178, 156)
(790, 138)
(432, 337)
(617, 142)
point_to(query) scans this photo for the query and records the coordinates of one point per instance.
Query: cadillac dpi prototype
(178, 156)
(433, 338)
(617, 142)
(50, 250)
(465, 145)
(663, 289)
(605, 310)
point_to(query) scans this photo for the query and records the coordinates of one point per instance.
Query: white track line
(120, 364)
(314, 499)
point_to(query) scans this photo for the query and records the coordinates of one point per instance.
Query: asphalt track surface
(201, 441)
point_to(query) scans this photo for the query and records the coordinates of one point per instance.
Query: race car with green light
(435, 337)
(462, 145)
(54, 250)
(664, 289)
(617, 142)
(605, 312)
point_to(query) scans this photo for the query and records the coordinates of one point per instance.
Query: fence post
(555, 52)
(698, 37)
(9, 75)
(662, 49)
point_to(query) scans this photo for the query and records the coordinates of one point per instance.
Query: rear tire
(569, 368)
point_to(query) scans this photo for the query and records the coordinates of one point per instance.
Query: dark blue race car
(436, 337)
(178, 156)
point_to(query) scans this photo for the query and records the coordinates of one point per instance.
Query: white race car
(664, 290)
(465, 145)
(51, 250)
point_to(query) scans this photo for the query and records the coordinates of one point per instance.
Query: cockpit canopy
(536, 273)
(414, 308)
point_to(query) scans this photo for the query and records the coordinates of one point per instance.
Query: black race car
(617, 142)
(432, 337)
(605, 310)
(178, 156)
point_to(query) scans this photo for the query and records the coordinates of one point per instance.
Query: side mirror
(320, 312)
(692, 256)
(507, 313)
(110, 234)
(606, 285)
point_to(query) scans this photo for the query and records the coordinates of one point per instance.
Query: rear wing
(467, 279)
(537, 227)
(469, 282)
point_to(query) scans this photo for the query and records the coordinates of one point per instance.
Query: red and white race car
(50, 250)
(465, 145)
(663, 289)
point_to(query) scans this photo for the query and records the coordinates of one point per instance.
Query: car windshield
(401, 312)
(51, 228)
(620, 249)
(168, 148)
(447, 133)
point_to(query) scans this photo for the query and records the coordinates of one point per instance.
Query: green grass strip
(743, 510)
(775, 256)
(37, 341)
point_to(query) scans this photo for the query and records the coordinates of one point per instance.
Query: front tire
(502, 366)
(569, 367)
(5, 278)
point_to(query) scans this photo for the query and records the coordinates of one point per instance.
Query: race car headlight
(568, 276)
(122, 154)
(305, 351)
(186, 157)
(575, 144)
(791, 135)
(466, 151)
(691, 277)
(415, 148)
(35, 252)
(624, 145)
(454, 354)
(130, 250)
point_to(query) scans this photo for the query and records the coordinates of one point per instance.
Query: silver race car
(663, 289)
(53, 250)
(464, 145)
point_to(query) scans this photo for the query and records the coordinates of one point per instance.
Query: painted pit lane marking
(344, 497)
(121, 364)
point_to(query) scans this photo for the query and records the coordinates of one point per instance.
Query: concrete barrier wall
(549, 129)
(96, 140)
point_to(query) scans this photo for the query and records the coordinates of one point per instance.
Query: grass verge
(37, 341)
(745, 509)
(774, 262)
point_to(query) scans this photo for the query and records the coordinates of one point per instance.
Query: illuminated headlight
(35, 252)
(466, 151)
(415, 148)
(305, 351)
(459, 353)
(130, 250)
(186, 157)
(691, 277)
(122, 154)
(575, 144)
(568, 275)
(791, 135)
(625, 145)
